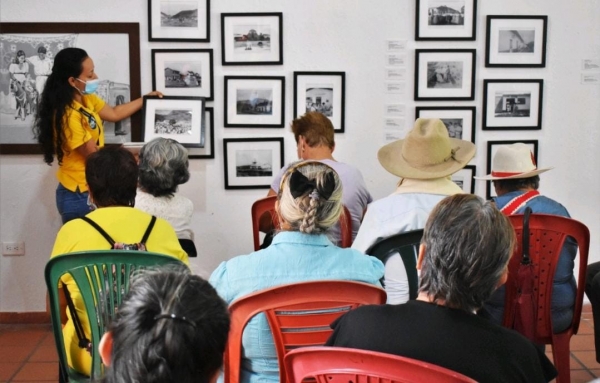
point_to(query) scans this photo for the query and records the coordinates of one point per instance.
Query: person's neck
(502, 192)
(317, 153)
(78, 97)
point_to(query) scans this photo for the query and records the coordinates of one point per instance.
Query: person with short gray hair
(463, 258)
(163, 167)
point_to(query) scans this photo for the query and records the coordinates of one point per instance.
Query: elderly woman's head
(313, 129)
(111, 174)
(310, 198)
(163, 167)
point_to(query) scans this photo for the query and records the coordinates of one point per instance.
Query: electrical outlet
(13, 248)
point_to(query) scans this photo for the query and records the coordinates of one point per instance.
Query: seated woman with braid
(309, 204)
(171, 327)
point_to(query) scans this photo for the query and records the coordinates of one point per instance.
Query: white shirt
(404, 210)
(176, 210)
(41, 67)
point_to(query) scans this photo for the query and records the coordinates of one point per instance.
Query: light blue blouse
(292, 257)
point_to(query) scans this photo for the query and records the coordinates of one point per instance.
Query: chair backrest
(267, 204)
(547, 234)
(95, 273)
(407, 245)
(343, 365)
(299, 315)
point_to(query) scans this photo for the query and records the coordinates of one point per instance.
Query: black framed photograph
(444, 74)
(252, 163)
(183, 72)
(439, 20)
(186, 21)
(464, 179)
(512, 104)
(459, 120)
(323, 92)
(208, 150)
(254, 101)
(252, 38)
(175, 117)
(115, 49)
(492, 147)
(516, 41)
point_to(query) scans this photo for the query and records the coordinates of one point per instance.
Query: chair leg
(562, 357)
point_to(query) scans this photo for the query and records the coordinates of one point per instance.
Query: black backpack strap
(148, 230)
(83, 341)
(100, 230)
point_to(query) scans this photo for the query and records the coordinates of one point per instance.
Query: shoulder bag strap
(518, 202)
(100, 230)
(83, 341)
(526, 260)
(148, 230)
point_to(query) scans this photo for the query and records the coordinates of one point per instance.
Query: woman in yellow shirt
(68, 125)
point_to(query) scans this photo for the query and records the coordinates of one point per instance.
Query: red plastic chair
(348, 365)
(299, 315)
(267, 204)
(547, 236)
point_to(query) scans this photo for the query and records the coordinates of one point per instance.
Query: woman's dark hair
(55, 101)
(111, 174)
(187, 348)
(20, 53)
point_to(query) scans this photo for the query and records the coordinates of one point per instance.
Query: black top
(449, 338)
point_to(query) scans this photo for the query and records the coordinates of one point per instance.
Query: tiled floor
(28, 354)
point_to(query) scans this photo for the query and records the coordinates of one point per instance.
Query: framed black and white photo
(516, 41)
(183, 72)
(115, 50)
(252, 38)
(512, 104)
(444, 74)
(179, 21)
(492, 147)
(459, 120)
(464, 179)
(175, 117)
(252, 163)
(207, 151)
(254, 101)
(323, 92)
(438, 20)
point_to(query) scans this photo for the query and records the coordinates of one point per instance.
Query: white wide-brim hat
(427, 152)
(513, 162)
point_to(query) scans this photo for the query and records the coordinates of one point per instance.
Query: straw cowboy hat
(512, 162)
(427, 152)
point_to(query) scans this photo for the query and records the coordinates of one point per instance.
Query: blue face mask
(91, 86)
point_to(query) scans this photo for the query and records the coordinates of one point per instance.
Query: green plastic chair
(407, 245)
(92, 270)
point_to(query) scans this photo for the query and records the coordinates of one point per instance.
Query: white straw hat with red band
(513, 162)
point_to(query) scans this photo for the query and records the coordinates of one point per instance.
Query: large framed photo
(115, 50)
(512, 104)
(492, 148)
(438, 20)
(516, 41)
(177, 118)
(179, 20)
(183, 72)
(323, 92)
(254, 101)
(208, 150)
(252, 38)
(459, 120)
(252, 163)
(444, 74)
(464, 179)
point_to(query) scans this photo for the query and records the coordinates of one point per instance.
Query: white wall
(334, 35)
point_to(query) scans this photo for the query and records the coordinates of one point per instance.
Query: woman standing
(69, 126)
